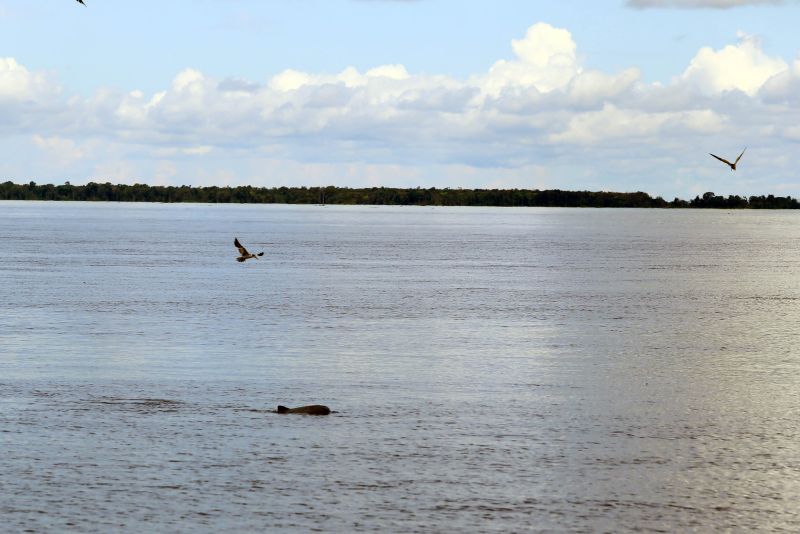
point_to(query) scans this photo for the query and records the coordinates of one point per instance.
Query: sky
(614, 95)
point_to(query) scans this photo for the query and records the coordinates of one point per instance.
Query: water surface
(494, 369)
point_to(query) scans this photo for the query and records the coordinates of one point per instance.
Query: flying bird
(243, 254)
(732, 165)
(81, 2)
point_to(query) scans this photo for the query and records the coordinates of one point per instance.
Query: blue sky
(576, 95)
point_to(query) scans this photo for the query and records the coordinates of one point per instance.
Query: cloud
(743, 67)
(17, 83)
(637, 127)
(783, 88)
(540, 111)
(58, 151)
(546, 60)
(697, 4)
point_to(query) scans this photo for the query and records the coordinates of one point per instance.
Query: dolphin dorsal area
(312, 409)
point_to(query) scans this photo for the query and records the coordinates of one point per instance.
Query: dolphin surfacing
(313, 409)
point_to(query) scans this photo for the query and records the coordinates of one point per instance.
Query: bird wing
(242, 250)
(740, 156)
(723, 160)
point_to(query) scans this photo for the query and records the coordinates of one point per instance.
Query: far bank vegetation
(107, 192)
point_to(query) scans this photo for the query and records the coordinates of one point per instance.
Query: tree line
(108, 192)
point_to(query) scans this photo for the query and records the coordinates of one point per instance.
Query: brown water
(493, 369)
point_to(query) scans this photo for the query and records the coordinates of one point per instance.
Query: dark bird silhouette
(732, 165)
(81, 2)
(243, 254)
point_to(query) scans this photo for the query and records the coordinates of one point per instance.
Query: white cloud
(394, 72)
(744, 67)
(15, 80)
(784, 87)
(290, 80)
(198, 150)
(25, 97)
(524, 116)
(59, 152)
(546, 60)
(637, 127)
(593, 88)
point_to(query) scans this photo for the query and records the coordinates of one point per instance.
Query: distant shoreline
(380, 196)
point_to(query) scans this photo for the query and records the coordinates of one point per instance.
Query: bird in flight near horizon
(243, 254)
(732, 165)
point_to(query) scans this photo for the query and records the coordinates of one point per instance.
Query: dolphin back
(313, 409)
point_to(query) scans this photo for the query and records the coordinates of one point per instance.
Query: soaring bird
(732, 165)
(81, 2)
(243, 254)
